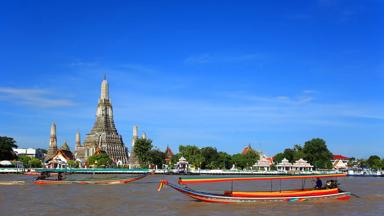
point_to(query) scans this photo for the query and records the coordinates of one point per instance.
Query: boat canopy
(214, 179)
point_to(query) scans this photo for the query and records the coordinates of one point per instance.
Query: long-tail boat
(331, 191)
(111, 181)
(12, 182)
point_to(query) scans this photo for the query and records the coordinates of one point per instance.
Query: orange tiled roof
(339, 157)
(246, 150)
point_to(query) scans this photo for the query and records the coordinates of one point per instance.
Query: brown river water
(141, 198)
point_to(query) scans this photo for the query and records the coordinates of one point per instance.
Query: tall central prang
(104, 135)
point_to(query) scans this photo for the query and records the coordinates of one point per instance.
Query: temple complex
(104, 134)
(102, 138)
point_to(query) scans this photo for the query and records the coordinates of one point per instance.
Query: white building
(182, 165)
(299, 165)
(60, 159)
(302, 165)
(284, 165)
(31, 152)
(263, 164)
(340, 162)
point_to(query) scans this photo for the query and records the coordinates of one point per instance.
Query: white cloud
(32, 97)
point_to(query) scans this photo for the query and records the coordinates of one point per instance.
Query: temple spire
(135, 131)
(144, 135)
(78, 142)
(104, 89)
(52, 148)
(53, 139)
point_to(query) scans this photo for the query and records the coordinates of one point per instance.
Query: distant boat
(12, 182)
(110, 181)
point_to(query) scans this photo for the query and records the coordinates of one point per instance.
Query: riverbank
(177, 172)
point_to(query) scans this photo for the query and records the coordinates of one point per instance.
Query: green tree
(298, 152)
(100, 160)
(192, 154)
(141, 149)
(352, 162)
(156, 157)
(251, 158)
(6, 151)
(224, 161)
(29, 161)
(211, 157)
(175, 158)
(362, 163)
(25, 160)
(44, 151)
(316, 152)
(35, 163)
(382, 163)
(289, 154)
(197, 160)
(374, 162)
(278, 157)
(72, 163)
(239, 160)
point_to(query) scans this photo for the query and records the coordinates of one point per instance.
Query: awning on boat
(209, 179)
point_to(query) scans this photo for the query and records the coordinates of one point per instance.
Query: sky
(208, 73)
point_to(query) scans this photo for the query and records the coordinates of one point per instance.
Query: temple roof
(65, 146)
(169, 152)
(65, 153)
(339, 157)
(246, 149)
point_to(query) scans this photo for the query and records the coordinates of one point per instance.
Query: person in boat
(319, 184)
(42, 176)
(60, 176)
(331, 184)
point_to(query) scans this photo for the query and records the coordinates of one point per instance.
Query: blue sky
(220, 73)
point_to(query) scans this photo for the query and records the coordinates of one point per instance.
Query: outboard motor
(331, 184)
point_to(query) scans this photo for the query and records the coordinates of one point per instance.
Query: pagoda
(168, 155)
(52, 148)
(104, 135)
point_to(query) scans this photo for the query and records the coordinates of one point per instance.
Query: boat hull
(89, 182)
(12, 183)
(218, 198)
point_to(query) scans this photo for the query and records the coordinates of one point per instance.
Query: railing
(12, 170)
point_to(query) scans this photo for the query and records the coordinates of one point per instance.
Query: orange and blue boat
(330, 191)
(110, 181)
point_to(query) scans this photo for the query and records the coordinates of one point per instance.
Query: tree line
(315, 151)
(6, 153)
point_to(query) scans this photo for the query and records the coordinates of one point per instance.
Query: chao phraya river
(141, 198)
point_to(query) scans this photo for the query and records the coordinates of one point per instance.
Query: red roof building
(339, 157)
(246, 150)
(339, 162)
(60, 159)
(270, 159)
(168, 155)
